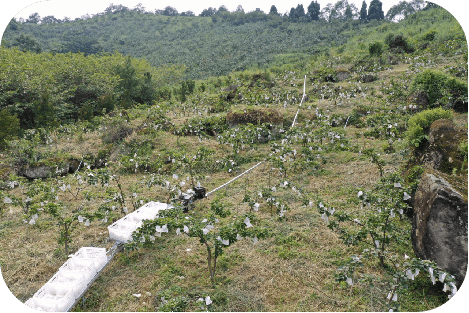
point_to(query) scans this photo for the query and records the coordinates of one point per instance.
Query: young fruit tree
(214, 230)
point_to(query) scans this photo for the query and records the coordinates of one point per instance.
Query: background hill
(160, 39)
(231, 40)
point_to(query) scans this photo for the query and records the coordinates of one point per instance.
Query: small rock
(368, 78)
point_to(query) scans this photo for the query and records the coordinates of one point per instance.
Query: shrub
(458, 94)
(45, 112)
(106, 103)
(432, 83)
(85, 113)
(419, 124)
(186, 88)
(163, 93)
(441, 89)
(375, 49)
(325, 74)
(430, 35)
(463, 147)
(9, 127)
(412, 177)
(85, 93)
(398, 43)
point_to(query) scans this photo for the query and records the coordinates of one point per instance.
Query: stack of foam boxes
(121, 230)
(72, 279)
(74, 276)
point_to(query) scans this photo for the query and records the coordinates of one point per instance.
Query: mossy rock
(117, 133)
(325, 74)
(439, 223)
(231, 93)
(342, 75)
(442, 151)
(118, 152)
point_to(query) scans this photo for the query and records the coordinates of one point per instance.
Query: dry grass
(292, 270)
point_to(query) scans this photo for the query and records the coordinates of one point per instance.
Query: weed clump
(117, 132)
(255, 117)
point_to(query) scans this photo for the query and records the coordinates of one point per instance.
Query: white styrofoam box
(72, 275)
(119, 232)
(148, 211)
(122, 229)
(141, 215)
(60, 283)
(120, 235)
(30, 303)
(152, 209)
(128, 223)
(62, 289)
(97, 255)
(84, 267)
(83, 263)
(41, 305)
(53, 302)
(91, 252)
(153, 205)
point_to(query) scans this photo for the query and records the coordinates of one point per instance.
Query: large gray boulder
(439, 225)
(45, 171)
(45, 168)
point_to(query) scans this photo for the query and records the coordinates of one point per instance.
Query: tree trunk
(209, 260)
(66, 239)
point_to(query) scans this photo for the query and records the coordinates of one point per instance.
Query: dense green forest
(176, 40)
(104, 113)
(231, 40)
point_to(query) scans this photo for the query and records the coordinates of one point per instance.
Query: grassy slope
(293, 269)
